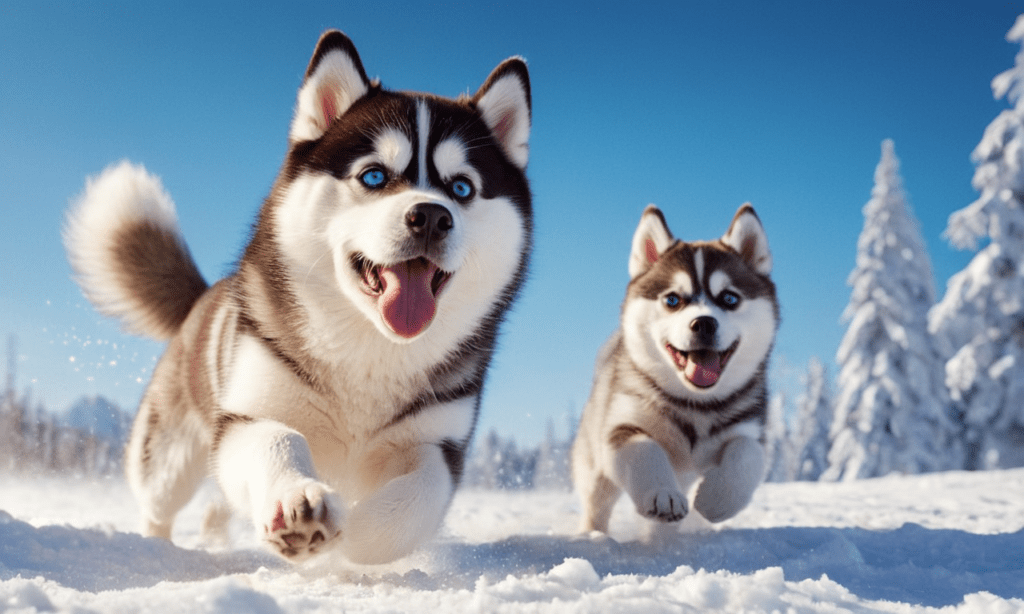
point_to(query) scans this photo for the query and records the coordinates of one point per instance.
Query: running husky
(332, 382)
(679, 390)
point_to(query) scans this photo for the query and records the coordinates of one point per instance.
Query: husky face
(390, 201)
(700, 318)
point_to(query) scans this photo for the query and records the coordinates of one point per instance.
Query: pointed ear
(334, 80)
(504, 102)
(747, 237)
(651, 239)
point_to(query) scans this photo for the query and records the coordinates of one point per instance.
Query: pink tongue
(407, 303)
(703, 368)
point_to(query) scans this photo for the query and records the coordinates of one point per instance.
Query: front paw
(718, 499)
(302, 520)
(664, 504)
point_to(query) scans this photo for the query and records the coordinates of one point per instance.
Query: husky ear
(504, 102)
(334, 80)
(748, 238)
(651, 239)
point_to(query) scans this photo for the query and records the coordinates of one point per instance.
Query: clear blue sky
(695, 106)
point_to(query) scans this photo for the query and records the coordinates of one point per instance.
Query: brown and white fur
(331, 383)
(680, 389)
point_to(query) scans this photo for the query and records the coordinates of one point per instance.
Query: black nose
(705, 326)
(429, 220)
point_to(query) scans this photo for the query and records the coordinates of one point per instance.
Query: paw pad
(303, 522)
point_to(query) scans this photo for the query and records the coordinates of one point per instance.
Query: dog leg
(165, 461)
(266, 469)
(643, 470)
(597, 492)
(215, 522)
(728, 487)
(402, 513)
(598, 496)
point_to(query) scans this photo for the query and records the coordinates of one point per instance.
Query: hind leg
(598, 496)
(597, 493)
(165, 462)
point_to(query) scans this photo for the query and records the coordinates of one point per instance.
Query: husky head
(412, 208)
(700, 318)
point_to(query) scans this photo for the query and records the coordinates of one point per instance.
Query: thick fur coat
(680, 390)
(331, 383)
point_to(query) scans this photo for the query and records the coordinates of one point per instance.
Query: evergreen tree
(979, 325)
(552, 470)
(813, 422)
(891, 412)
(779, 459)
(10, 413)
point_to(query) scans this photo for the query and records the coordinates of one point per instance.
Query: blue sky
(695, 106)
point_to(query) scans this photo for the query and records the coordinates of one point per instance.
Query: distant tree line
(501, 464)
(88, 439)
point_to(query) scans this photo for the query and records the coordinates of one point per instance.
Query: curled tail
(128, 255)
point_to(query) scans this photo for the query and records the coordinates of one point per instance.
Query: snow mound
(950, 542)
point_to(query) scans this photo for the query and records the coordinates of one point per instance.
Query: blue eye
(462, 189)
(671, 300)
(729, 299)
(373, 178)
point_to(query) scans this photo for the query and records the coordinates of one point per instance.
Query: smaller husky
(680, 389)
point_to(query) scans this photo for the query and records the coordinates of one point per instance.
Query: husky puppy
(679, 391)
(332, 382)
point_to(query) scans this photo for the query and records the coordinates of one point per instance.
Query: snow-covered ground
(949, 542)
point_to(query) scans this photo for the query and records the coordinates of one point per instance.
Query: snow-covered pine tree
(813, 422)
(552, 471)
(779, 454)
(979, 325)
(890, 414)
(482, 466)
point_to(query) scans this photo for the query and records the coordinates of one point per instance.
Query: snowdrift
(948, 542)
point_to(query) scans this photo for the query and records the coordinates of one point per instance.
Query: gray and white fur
(680, 390)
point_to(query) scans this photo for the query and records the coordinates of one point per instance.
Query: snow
(941, 542)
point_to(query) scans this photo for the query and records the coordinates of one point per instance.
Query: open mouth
(406, 292)
(702, 368)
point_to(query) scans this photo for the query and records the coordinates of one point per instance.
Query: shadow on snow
(911, 564)
(94, 560)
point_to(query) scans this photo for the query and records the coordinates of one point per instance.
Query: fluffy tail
(129, 257)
